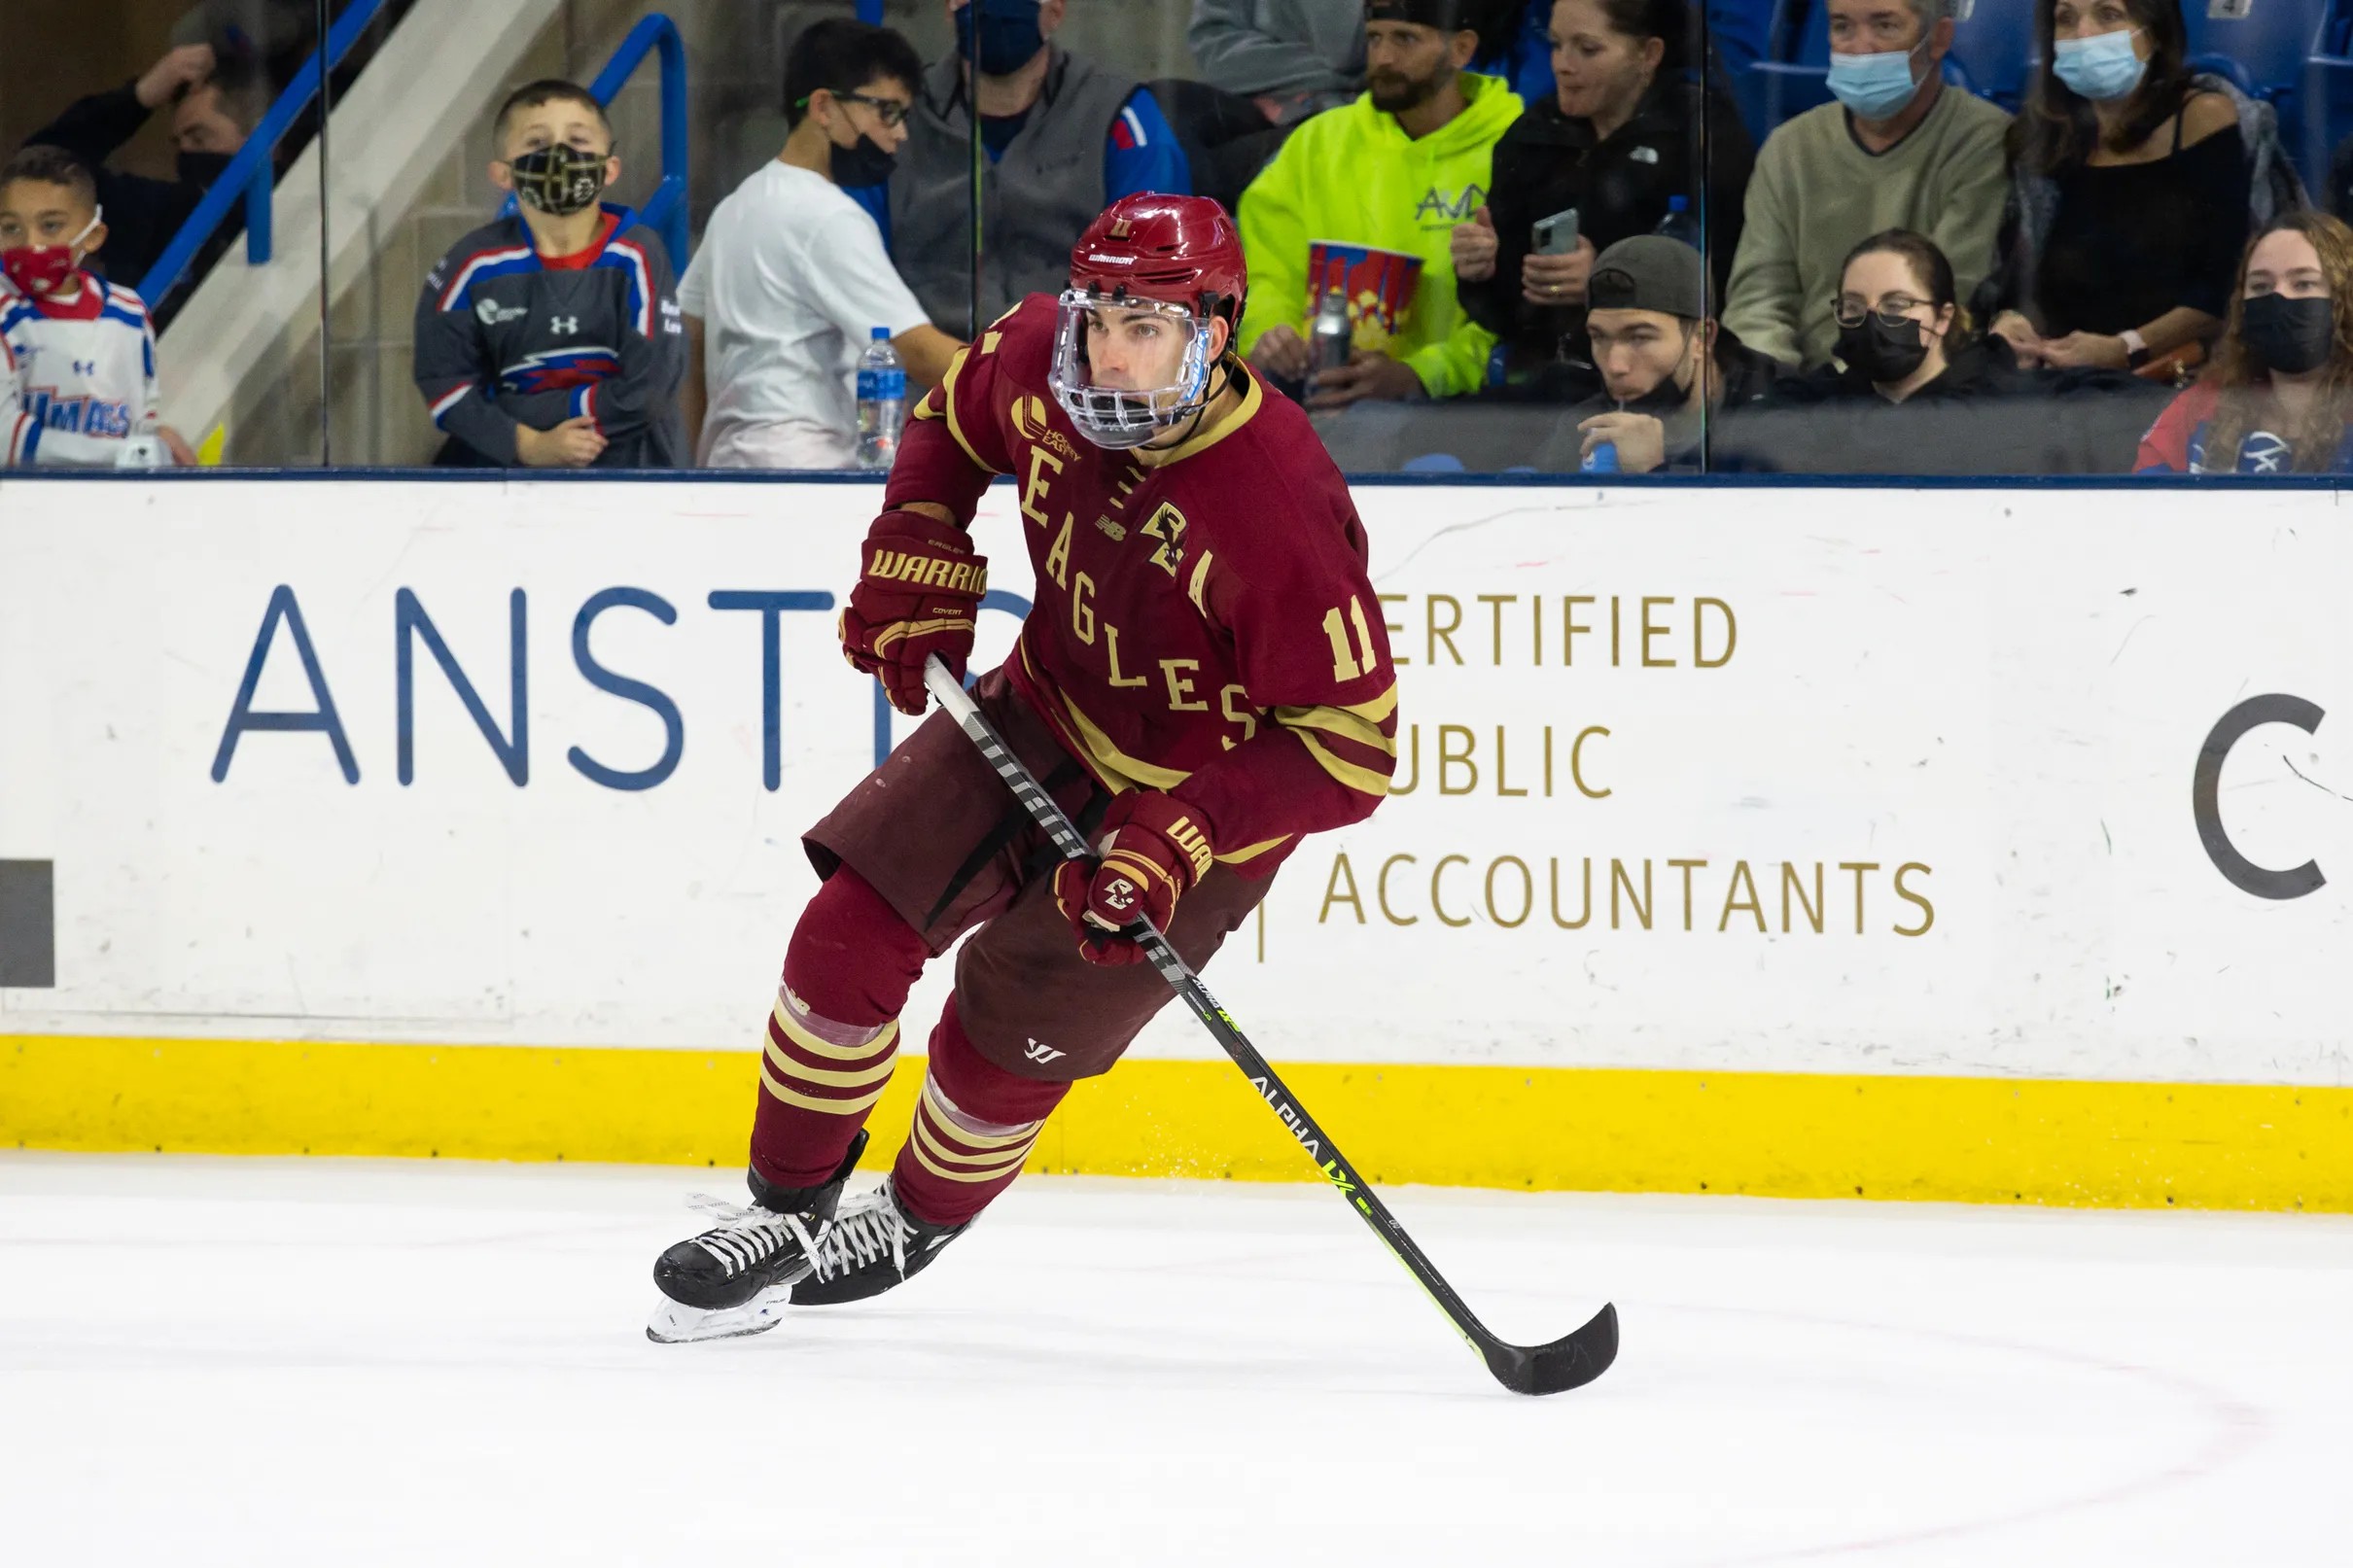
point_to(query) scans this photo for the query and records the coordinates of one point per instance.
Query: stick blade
(1567, 1362)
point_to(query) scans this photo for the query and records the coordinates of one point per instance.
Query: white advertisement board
(2023, 782)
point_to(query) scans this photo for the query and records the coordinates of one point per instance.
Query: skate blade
(673, 1323)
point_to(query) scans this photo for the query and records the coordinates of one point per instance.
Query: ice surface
(302, 1362)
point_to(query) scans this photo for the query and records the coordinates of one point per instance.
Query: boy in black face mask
(1666, 363)
(551, 338)
(792, 280)
(214, 104)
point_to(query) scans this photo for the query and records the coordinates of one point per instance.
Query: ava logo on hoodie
(1438, 210)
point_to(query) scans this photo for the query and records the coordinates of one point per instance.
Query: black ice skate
(871, 1245)
(733, 1279)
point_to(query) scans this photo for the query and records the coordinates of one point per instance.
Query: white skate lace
(747, 1235)
(860, 1235)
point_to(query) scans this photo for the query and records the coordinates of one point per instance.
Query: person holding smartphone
(1600, 161)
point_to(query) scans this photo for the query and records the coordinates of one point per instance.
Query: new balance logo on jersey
(563, 325)
(1040, 1054)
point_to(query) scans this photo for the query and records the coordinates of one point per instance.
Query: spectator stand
(251, 176)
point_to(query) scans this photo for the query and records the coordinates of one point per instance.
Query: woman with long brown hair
(2131, 184)
(1619, 141)
(2280, 391)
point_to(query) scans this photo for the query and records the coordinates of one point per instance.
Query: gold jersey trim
(1360, 723)
(1252, 399)
(1364, 781)
(947, 398)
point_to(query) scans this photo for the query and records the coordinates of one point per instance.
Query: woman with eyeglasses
(1902, 333)
(2279, 394)
(2133, 183)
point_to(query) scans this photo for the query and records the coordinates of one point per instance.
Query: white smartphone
(1556, 235)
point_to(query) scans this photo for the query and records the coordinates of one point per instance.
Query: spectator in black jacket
(214, 107)
(1618, 141)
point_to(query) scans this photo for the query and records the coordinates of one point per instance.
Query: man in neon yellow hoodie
(1398, 168)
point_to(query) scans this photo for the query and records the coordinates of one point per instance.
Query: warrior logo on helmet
(1137, 342)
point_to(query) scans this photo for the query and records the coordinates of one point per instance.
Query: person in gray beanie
(1667, 364)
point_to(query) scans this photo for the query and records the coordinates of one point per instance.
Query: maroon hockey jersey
(1203, 624)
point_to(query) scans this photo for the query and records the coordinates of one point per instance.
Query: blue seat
(2279, 50)
(1994, 43)
(2261, 46)
(1432, 463)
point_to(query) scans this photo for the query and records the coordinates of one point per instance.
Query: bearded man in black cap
(1397, 170)
(1666, 366)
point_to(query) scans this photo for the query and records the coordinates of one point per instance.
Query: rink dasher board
(1799, 799)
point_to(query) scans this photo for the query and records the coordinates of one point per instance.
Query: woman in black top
(1618, 139)
(2128, 200)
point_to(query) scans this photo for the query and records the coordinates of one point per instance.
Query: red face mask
(41, 270)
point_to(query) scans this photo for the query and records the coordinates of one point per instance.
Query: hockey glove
(917, 595)
(1154, 848)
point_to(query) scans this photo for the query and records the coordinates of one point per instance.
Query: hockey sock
(833, 1035)
(974, 1126)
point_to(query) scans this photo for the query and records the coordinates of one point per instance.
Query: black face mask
(202, 168)
(862, 164)
(1009, 34)
(2293, 337)
(1883, 353)
(1666, 397)
(558, 180)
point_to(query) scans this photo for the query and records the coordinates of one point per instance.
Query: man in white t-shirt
(792, 278)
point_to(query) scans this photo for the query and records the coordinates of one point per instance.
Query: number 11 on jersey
(1348, 666)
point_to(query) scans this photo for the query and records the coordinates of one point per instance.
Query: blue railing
(665, 211)
(252, 176)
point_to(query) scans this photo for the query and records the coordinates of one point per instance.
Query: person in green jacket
(1397, 169)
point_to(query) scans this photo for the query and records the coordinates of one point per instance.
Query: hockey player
(77, 354)
(1203, 679)
(552, 338)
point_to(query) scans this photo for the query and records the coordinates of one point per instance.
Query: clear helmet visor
(1127, 370)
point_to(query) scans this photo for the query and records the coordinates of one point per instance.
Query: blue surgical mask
(1010, 35)
(2103, 67)
(1875, 86)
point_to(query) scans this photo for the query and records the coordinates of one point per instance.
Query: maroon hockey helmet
(1179, 250)
(1174, 258)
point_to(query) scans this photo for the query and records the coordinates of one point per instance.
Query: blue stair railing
(252, 176)
(665, 211)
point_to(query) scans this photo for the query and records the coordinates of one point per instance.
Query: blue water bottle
(1603, 459)
(881, 401)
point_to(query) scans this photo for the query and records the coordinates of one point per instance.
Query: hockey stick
(1544, 1369)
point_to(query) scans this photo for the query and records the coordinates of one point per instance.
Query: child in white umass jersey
(791, 277)
(77, 355)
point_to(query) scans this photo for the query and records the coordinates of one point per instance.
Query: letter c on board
(2206, 785)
